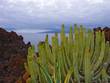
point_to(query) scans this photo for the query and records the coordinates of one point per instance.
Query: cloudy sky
(52, 13)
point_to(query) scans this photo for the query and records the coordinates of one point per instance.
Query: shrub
(76, 58)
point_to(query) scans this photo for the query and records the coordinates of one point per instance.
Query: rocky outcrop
(106, 32)
(13, 53)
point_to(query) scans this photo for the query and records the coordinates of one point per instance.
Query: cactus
(78, 57)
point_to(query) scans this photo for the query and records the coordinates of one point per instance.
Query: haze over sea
(34, 35)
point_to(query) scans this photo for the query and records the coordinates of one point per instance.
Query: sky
(44, 14)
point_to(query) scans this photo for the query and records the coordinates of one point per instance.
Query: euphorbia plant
(78, 57)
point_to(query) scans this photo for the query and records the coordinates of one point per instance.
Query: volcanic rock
(13, 53)
(106, 32)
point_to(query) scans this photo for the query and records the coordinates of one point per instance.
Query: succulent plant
(79, 57)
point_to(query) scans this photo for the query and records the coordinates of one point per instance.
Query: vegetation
(79, 57)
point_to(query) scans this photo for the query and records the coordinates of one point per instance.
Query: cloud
(24, 13)
(95, 1)
(31, 30)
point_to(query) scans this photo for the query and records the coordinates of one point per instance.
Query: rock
(13, 53)
(106, 32)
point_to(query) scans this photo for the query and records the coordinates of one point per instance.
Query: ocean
(35, 38)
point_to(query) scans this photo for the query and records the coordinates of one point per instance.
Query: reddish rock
(13, 53)
(106, 32)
